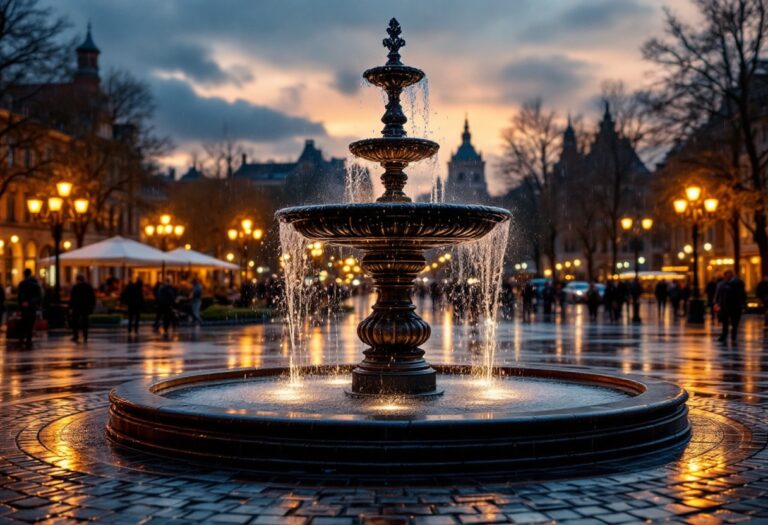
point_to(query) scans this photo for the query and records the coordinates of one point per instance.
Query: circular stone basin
(527, 418)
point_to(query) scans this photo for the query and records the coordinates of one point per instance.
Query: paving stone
(721, 478)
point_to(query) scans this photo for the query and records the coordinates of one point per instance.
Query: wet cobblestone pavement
(56, 466)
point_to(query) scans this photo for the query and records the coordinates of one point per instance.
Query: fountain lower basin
(247, 417)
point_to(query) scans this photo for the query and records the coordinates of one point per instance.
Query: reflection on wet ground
(54, 462)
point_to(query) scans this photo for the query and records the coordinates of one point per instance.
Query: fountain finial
(394, 42)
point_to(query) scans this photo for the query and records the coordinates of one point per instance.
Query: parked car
(576, 291)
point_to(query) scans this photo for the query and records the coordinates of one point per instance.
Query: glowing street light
(636, 228)
(58, 209)
(693, 210)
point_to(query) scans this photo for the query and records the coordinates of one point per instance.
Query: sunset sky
(273, 73)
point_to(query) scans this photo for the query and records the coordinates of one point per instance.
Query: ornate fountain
(526, 423)
(394, 233)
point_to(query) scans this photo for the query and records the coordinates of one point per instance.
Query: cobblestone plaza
(57, 466)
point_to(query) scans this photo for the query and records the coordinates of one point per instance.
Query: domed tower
(87, 72)
(466, 173)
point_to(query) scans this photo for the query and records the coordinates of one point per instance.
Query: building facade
(50, 123)
(466, 182)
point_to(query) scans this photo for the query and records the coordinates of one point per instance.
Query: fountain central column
(394, 363)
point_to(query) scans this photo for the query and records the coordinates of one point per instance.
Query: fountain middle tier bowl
(394, 149)
(523, 423)
(405, 225)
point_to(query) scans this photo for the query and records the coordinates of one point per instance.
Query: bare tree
(531, 148)
(713, 72)
(31, 57)
(223, 156)
(111, 155)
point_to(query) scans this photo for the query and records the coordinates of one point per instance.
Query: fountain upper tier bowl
(394, 224)
(394, 149)
(394, 76)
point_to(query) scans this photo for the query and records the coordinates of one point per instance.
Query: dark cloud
(603, 14)
(347, 81)
(600, 19)
(187, 116)
(554, 78)
(194, 62)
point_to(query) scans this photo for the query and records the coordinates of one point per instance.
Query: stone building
(310, 179)
(595, 188)
(52, 116)
(466, 180)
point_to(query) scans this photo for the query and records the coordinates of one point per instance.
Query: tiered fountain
(392, 420)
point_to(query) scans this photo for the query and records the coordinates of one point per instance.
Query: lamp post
(695, 208)
(244, 233)
(636, 226)
(164, 230)
(56, 210)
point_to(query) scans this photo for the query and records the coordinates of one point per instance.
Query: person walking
(636, 294)
(82, 301)
(166, 300)
(661, 292)
(593, 301)
(685, 296)
(761, 291)
(622, 298)
(609, 300)
(710, 291)
(2, 303)
(729, 298)
(30, 296)
(133, 298)
(528, 293)
(197, 301)
(158, 313)
(674, 298)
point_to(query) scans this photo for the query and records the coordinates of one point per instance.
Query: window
(10, 207)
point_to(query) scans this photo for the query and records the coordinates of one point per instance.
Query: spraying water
(357, 183)
(299, 297)
(478, 268)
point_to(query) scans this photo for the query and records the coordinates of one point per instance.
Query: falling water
(357, 182)
(297, 269)
(417, 97)
(478, 267)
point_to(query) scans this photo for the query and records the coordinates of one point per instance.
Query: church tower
(87, 72)
(466, 173)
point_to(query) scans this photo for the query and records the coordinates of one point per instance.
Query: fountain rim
(406, 207)
(649, 395)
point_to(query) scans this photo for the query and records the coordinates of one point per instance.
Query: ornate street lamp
(694, 208)
(244, 233)
(636, 227)
(164, 230)
(56, 210)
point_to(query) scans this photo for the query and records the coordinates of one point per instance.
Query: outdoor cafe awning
(118, 251)
(195, 259)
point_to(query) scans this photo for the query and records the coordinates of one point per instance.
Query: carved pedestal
(394, 363)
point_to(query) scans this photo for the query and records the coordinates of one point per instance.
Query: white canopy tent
(118, 251)
(195, 259)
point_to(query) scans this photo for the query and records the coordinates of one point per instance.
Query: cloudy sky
(274, 72)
